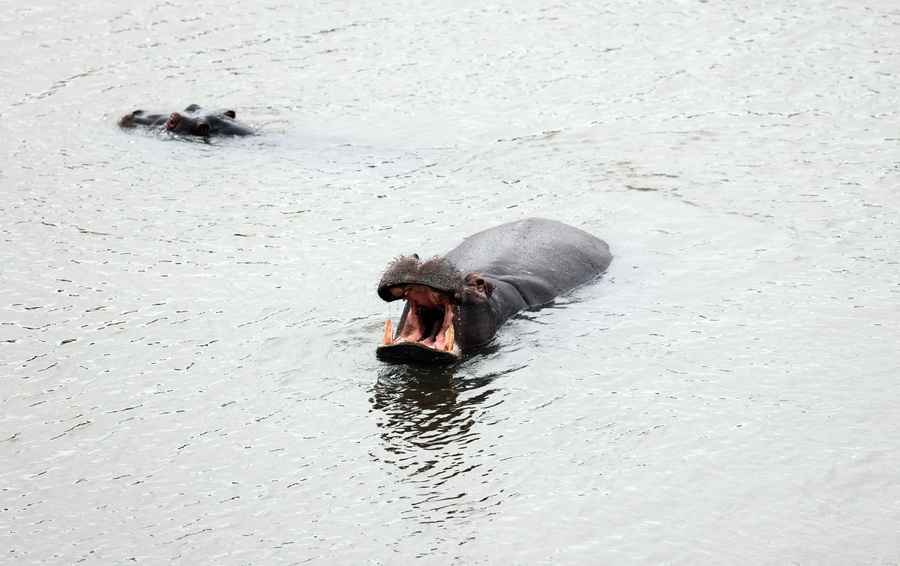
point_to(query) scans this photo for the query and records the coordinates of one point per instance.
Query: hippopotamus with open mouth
(456, 303)
(193, 121)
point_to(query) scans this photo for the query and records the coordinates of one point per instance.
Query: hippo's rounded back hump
(561, 255)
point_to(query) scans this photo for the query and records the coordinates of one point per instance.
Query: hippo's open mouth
(172, 122)
(427, 332)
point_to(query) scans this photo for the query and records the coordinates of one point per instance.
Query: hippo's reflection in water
(430, 420)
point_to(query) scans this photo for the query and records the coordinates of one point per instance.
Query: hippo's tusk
(448, 339)
(388, 332)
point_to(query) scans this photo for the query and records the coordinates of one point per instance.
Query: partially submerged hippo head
(192, 121)
(195, 125)
(446, 311)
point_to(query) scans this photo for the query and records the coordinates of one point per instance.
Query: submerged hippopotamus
(456, 303)
(193, 121)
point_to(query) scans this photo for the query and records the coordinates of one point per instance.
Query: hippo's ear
(202, 129)
(192, 108)
(476, 281)
(230, 113)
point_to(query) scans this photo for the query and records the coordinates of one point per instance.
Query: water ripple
(430, 422)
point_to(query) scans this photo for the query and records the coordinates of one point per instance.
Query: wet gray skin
(192, 121)
(456, 303)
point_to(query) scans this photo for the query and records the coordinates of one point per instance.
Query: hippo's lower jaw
(426, 332)
(405, 352)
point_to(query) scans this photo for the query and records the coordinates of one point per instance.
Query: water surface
(187, 330)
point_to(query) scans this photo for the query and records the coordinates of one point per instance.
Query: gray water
(187, 330)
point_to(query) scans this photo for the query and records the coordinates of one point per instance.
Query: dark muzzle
(436, 273)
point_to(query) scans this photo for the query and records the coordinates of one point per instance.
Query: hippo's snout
(173, 121)
(437, 273)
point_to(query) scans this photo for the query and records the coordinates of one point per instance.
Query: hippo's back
(558, 255)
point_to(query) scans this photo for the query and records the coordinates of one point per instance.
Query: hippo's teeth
(448, 339)
(388, 332)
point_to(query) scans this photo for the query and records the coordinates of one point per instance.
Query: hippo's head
(184, 125)
(446, 312)
(193, 125)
